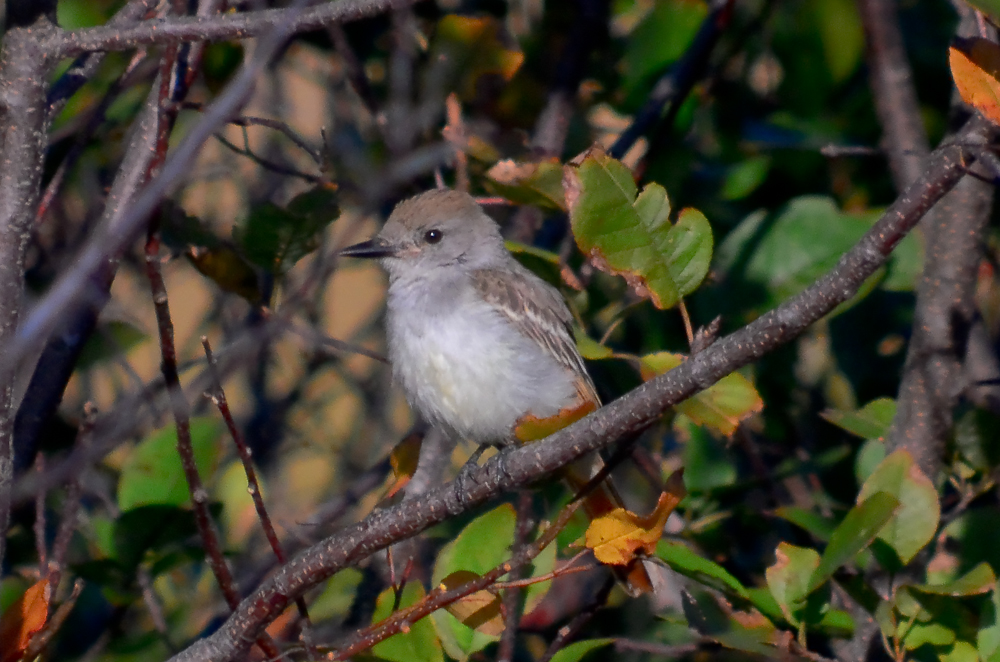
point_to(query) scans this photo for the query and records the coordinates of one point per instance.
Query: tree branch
(626, 416)
(24, 66)
(215, 28)
(945, 310)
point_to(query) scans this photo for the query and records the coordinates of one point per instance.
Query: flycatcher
(477, 341)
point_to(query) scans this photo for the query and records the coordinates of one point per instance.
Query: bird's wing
(539, 312)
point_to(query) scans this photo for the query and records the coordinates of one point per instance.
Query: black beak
(371, 248)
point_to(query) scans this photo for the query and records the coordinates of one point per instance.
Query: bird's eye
(432, 236)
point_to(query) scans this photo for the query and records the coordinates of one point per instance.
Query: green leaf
(275, 239)
(543, 564)
(630, 235)
(934, 634)
(589, 348)
(870, 422)
(843, 38)
(684, 561)
(420, 643)
(790, 579)
(109, 340)
(660, 40)
(481, 546)
(786, 251)
(575, 651)
(148, 528)
(916, 521)
(818, 526)
(707, 464)
(721, 406)
(859, 528)
(961, 651)
(988, 637)
(870, 455)
(743, 178)
(153, 473)
(975, 582)
(337, 596)
(991, 8)
(976, 432)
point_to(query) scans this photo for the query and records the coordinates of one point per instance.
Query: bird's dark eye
(432, 236)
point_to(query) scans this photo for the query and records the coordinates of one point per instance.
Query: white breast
(462, 365)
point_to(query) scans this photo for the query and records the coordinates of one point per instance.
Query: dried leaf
(404, 459)
(975, 66)
(23, 619)
(480, 610)
(532, 428)
(617, 537)
(538, 184)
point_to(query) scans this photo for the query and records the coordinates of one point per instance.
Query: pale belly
(474, 373)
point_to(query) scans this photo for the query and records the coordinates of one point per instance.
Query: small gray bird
(477, 341)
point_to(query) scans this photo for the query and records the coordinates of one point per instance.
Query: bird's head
(439, 228)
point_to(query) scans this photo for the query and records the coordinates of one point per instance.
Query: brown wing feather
(540, 313)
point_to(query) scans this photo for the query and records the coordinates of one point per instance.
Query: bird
(477, 341)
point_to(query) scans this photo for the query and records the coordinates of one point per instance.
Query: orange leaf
(532, 428)
(480, 610)
(22, 620)
(617, 537)
(975, 66)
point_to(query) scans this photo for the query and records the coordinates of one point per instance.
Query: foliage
(798, 514)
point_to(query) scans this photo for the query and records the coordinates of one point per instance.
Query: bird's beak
(372, 248)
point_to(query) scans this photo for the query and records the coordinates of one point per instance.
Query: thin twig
(673, 87)
(218, 397)
(277, 125)
(512, 597)
(569, 631)
(441, 597)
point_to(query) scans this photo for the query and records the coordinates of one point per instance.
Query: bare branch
(24, 65)
(215, 28)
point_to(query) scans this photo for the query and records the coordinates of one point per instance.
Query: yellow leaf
(480, 610)
(721, 406)
(404, 459)
(975, 66)
(617, 537)
(22, 620)
(532, 428)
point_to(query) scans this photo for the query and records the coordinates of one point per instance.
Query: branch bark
(945, 310)
(24, 67)
(215, 28)
(625, 416)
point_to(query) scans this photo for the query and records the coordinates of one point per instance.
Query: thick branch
(216, 28)
(904, 139)
(23, 77)
(625, 416)
(932, 380)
